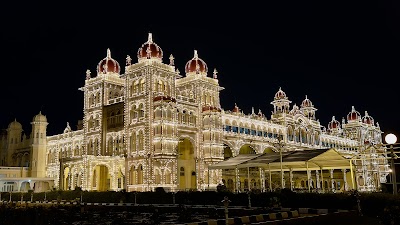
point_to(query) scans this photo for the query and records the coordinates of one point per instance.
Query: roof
(298, 160)
(234, 161)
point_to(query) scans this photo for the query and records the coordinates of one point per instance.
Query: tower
(14, 132)
(39, 144)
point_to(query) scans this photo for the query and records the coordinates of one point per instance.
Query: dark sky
(338, 54)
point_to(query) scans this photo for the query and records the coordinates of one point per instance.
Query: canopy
(234, 161)
(298, 160)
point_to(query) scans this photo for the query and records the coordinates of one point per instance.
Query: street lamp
(279, 145)
(391, 139)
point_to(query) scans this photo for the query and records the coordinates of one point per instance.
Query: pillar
(346, 185)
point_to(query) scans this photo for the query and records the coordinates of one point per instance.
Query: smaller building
(22, 157)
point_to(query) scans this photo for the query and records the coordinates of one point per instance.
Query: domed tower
(352, 129)
(334, 127)
(281, 102)
(14, 132)
(308, 108)
(150, 50)
(281, 105)
(196, 66)
(108, 65)
(39, 144)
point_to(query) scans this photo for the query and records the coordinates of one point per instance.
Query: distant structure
(152, 127)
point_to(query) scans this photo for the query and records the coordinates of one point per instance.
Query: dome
(368, 119)
(280, 94)
(295, 110)
(196, 65)
(40, 118)
(306, 103)
(353, 115)
(236, 109)
(334, 124)
(15, 125)
(108, 65)
(149, 50)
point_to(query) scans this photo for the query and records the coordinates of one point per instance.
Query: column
(237, 179)
(309, 179)
(291, 178)
(346, 186)
(262, 179)
(332, 181)
(317, 179)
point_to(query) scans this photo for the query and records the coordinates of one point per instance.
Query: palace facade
(149, 126)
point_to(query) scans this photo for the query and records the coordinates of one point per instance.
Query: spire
(128, 60)
(215, 73)
(195, 55)
(87, 74)
(108, 53)
(171, 60)
(150, 38)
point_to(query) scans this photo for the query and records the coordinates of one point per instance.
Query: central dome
(196, 65)
(150, 50)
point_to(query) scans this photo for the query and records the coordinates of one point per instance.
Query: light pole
(279, 145)
(391, 139)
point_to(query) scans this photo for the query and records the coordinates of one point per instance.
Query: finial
(215, 73)
(195, 55)
(108, 53)
(148, 51)
(87, 74)
(177, 71)
(128, 60)
(352, 108)
(343, 121)
(150, 38)
(171, 60)
(366, 113)
(252, 110)
(280, 89)
(306, 97)
(333, 118)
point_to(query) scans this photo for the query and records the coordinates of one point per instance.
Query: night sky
(339, 55)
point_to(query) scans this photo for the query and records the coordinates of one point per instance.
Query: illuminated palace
(150, 126)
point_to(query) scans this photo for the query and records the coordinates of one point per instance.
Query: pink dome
(334, 124)
(306, 103)
(108, 65)
(280, 94)
(196, 65)
(353, 115)
(150, 50)
(368, 119)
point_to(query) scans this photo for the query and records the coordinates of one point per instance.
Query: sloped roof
(234, 161)
(298, 160)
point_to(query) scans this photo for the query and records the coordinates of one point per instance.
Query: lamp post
(279, 145)
(391, 139)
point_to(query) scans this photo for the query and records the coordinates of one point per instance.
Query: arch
(268, 149)
(101, 178)
(186, 164)
(247, 149)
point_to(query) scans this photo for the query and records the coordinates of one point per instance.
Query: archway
(66, 179)
(227, 152)
(268, 150)
(101, 178)
(186, 165)
(247, 149)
